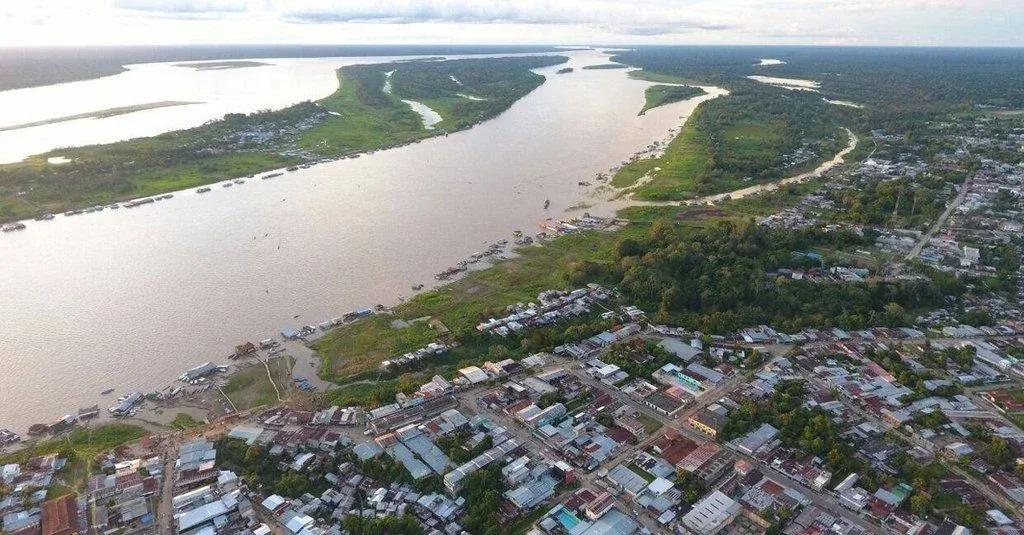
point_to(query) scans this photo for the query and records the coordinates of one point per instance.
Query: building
(708, 421)
(60, 516)
(753, 441)
(712, 513)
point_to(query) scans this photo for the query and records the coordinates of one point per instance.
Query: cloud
(184, 7)
(638, 17)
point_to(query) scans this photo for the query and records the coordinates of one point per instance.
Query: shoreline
(308, 361)
(287, 160)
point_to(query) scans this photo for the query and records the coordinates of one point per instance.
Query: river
(128, 299)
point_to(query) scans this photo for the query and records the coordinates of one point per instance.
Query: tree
(920, 505)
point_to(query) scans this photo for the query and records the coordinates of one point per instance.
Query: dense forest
(716, 279)
(898, 86)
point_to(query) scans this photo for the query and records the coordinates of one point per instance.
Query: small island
(565, 70)
(221, 65)
(605, 67)
(659, 95)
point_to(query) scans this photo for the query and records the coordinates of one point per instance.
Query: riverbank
(357, 118)
(181, 281)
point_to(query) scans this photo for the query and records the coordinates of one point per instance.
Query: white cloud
(865, 22)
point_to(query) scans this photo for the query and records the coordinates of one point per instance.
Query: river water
(128, 299)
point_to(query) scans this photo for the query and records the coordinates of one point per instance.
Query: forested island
(357, 117)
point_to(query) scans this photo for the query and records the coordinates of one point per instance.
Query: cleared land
(251, 387)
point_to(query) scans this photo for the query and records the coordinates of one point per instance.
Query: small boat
(292, 168)
(114, 207)
(417, 287)
(226, 185)
(517, 233)
(107, 391)
(168, 196)
(546, 204)
(239, 181)
(271, 175)
(202, 190)
(11, 227)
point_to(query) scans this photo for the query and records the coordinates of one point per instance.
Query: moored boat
(202, 190)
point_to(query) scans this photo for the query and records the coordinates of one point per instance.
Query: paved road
(916, 250)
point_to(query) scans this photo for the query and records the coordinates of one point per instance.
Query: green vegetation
(605, 67)
(362, 346)
(263, 473)
(659, 95)
(84, 443)
(389, 525)
(185, 421)
(651, 425)
(810, 431)
(755, 134)
(241, 145)
(564, 70)
(221, 65)
(250, 387)
(710, 275)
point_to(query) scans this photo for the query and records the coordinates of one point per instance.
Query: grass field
(84, 442)
(461, 305)
(251, 387)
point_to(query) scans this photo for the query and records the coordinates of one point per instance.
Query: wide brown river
(128, 299)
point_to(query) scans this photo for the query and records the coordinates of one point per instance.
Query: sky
(568, 22)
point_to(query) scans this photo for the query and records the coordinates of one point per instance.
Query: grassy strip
(659, 95)
(85, 443)
(359, 348)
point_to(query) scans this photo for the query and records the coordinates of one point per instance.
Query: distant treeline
(898, 85)
(36, 66)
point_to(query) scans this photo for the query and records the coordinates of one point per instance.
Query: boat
(168, 196)
(11, 227)
(239, 181)
(202, 190)
(517, 233)
(226, 185)
(292, 169)
(271, 175)
(547, 202)
(114, 206)
(107, 391)
(417, 287)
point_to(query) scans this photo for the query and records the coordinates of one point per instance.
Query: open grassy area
(251, 387)
(659, 95)
(461, 305)
(688, 161)
(362, 346)
(651, 425)
(85, 442)
(184, 421)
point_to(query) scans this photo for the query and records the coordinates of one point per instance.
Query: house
(708, 420)
(60, 516)
(712, 513)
